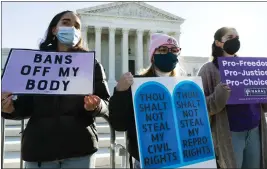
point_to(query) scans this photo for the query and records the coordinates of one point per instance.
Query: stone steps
(13, 143)
(12, 159)
(14, 130)
(18, 122)
(13, 136)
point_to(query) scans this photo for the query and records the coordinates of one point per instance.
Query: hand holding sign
(91, 102)
(7, 102)
(225, 86)
(125, 82)
(223, 91)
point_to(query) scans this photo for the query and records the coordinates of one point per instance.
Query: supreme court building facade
(119, 33)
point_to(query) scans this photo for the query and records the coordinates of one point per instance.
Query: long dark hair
(217, 51)
(150, 72)
(50, 42)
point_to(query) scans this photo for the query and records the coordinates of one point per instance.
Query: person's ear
(218, 43)
(54, 31)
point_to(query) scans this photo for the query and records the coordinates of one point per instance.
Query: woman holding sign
(61, 132)
(239, 131)
(164, 52)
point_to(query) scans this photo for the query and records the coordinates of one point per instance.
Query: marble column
(84, 33)
(98, 43)
(139, 53)
(112, 54)
(146, 49)
(125, 47)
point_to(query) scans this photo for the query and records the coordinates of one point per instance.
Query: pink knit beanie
(158, 39)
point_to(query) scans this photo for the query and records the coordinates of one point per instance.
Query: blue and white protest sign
(172, 123)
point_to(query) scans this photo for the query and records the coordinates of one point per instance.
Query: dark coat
(121, 114)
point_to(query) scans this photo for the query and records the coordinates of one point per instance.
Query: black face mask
(165, 62)
(231, 46)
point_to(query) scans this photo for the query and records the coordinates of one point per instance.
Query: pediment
(130, 9)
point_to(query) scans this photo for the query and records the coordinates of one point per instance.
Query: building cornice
(160, 12)
(131, 18)
(93, 20)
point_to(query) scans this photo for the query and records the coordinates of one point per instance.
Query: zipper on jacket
(57, 116)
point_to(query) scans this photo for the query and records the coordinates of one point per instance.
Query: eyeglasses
(165, 50)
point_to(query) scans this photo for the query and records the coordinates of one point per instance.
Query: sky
(25, 23)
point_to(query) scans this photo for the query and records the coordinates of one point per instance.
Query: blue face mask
(165, 62)
(68, 36)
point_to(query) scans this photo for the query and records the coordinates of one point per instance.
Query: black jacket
(121, 116)
(59, 126)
